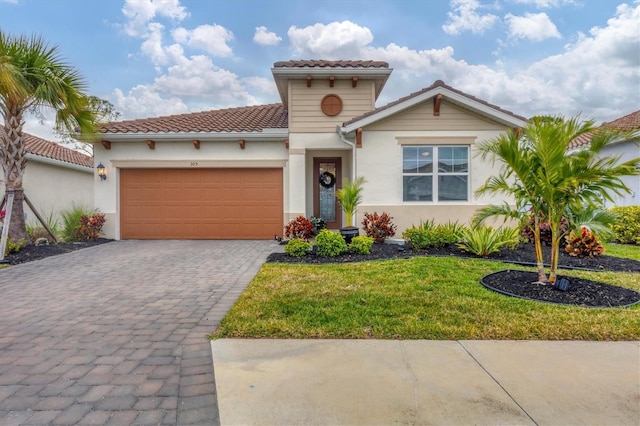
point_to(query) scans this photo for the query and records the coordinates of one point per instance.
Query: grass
(622, 250)
(417, 298)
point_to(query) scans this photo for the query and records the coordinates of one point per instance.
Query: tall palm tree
(34, 76)
(539, 172)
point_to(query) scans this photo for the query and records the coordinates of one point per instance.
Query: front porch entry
(327, 178)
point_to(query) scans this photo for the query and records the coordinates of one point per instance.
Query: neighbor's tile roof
(243, 119)
(44, 148)
(437, 83)
(628, 122)
(319, 63)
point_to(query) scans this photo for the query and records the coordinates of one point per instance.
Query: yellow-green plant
(350, 196)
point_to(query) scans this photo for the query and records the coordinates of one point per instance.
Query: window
(449, 180)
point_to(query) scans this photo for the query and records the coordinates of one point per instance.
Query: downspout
(354, 153)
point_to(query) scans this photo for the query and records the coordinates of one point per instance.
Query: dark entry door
(327, 178)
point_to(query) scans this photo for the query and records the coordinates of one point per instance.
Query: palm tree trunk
(542, 276)
(14, 161)
(555, 253)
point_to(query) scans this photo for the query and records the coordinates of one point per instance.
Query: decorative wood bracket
(151, 144)
(332, 80)
(437, 101)
(359, 137)
(241, 143)
(309, 81)
(286, 143)
(106, 144)
(196, 144)
(354, 81)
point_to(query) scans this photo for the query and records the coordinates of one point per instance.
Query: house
(242, 173)
(626, 150)
(55, 178)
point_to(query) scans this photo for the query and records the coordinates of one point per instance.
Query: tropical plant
(539, 172)
(330, 244)
(297, 247)
(34, 76)
(71, 222)
(428, 234)
(300, 227)
(378, 226)
(90, 226)
(350, 197)
(318, 223)
(584, 243)
(484, 240)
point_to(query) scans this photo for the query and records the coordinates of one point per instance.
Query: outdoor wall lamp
(102, 171)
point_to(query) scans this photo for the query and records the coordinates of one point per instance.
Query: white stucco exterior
(54, 186)
(626, 151)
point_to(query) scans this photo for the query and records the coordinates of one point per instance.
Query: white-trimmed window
(449, 180)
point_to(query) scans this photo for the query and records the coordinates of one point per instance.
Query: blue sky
(152, 57)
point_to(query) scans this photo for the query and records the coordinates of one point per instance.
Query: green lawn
(418, 298)
(622, 250)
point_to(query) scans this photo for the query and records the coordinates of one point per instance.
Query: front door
(327, 178)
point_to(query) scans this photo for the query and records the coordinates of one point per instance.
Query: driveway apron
(115, 334)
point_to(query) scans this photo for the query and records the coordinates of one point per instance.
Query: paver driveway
(115, 334)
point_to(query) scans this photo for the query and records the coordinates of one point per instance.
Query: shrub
(35, 233)
(484, 240)
(300, 227)
(545, 231)
(361, 244)
(330, 244)
(428, 234)
(378, 226)
(14, 247)
(71, 222)
(90, 226)
(318, 223)
(585, 243)
(297, 247)
(627, 227)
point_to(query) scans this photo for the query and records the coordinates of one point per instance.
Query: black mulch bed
(581, 292)
(31, 252)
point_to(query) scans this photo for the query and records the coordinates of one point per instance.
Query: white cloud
(465, 18)
(263, 85)
(266, 38)
(211, 39)
(545, 4)
(532, 26)
(140, 12)
(332, 41)
(144, 101)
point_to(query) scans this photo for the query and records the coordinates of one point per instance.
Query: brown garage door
(201, 203)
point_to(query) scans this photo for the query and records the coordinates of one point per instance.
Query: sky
(160, 57)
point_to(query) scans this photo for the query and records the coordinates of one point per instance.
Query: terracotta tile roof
(43, 148)
(628, 122)
(319, 63)
(243, 119)
(437, 83)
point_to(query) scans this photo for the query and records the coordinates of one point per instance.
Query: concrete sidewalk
(368, 382)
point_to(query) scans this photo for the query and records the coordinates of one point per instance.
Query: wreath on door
(327, 180)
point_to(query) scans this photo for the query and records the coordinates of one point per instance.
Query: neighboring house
(626, 150)
(242, 173)
(55, 179)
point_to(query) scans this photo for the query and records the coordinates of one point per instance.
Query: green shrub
(361, 244)
(330, 244)
(627, 227)
(585, 243)
(297, 247)
(14, 247)
(378, 226)
(428, 234)
(484, 240)
(71, 222)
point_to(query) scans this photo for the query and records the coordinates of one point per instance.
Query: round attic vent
(331, 105)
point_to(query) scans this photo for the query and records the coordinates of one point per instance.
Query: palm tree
(539, 172)
(34, 76)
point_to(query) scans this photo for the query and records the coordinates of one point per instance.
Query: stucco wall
(53, 189)
(627, 151)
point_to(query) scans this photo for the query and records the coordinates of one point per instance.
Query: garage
(201, 203)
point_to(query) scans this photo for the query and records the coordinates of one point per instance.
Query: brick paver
(115, 334)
